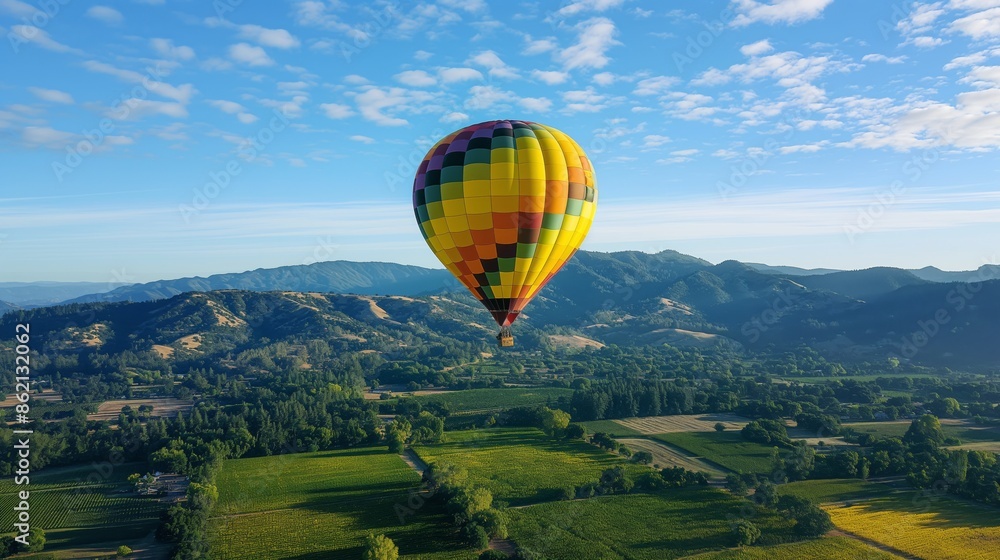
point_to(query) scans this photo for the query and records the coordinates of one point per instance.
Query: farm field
(727, 449)
(672, 524)
(933, 529)
(166, 407)
(324, 504)
(610, 427)
(666, 456)
(522, 465)
(683, 423)
(965, 431)
(495, 399)
(834, 490)
(829, 548)
(80, 507)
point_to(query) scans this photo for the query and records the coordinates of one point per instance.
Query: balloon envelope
(504, 205)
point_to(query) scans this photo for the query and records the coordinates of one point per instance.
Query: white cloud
(496, 66)
(594, 38)
(455, 117)
(233, 108)
(52, 95)
(711, 77)
(377, 104)
(983, 77)
(17, 8)
(452, 75)
(657, 85)
(604, 78)
(969, 60)
(584, 101)
(249, 55)
(39, 37)
(883, 58)
(484, 97)
(416, 78)
(980, 25)
(355, 79)
(362, 139)
(550, 77)
(920, 19)
(757, 49)
(651, 141)
(105, 14)
(925, 42)
(581, 6)
(803, 148)
(422, 55)
(337, 110)
(536, 104)
(539, 46)
(182, 93)
(277, 38)
(777, 11)
(166, 48)
(134, 109)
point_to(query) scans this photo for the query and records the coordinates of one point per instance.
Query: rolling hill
(862, 284)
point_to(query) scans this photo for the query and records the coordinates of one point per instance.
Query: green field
(835, 490)
(727, 449)
(496, 399)
(81, 506)
(609, 427)
(321, 505)
(830, 548)
(672, 524)
(522, 465)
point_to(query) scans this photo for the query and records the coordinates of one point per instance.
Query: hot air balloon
(504, 205)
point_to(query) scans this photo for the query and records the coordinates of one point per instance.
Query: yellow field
(931, 528)
(683, 423)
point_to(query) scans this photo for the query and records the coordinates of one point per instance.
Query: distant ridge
(346, 277)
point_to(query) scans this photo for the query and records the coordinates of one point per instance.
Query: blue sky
(154, 139)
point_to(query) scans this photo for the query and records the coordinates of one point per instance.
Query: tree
(36, 540)
(380, 547)
(576, 431)
(925, 430)
(399, 432)
(736, 484)
(476, 536)
(644, 457)
(720, 427)
(493, 555)
(813, 522)
(766, 494)
(746, 533)
(554, 421)
(123, 551)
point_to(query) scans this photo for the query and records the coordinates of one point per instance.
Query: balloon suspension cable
(505, 338)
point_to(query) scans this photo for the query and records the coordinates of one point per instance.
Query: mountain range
(603, 298)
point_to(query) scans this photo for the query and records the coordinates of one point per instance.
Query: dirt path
(874, 544)
(411, 458)
(506, 546)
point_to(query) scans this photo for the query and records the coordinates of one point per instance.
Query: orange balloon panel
(504, 205)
